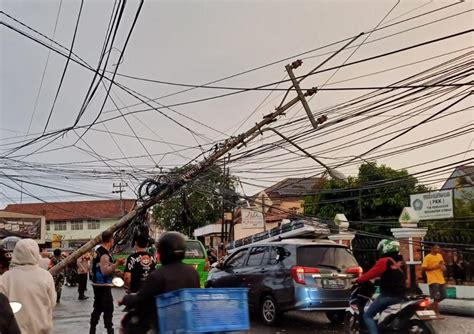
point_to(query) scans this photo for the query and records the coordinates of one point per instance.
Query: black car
(293, 274)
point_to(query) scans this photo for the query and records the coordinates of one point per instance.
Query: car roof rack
(295, 229)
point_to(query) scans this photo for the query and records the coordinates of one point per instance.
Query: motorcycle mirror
(118, 282)
(16, 307)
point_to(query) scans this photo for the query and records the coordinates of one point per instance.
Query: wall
(84, 234)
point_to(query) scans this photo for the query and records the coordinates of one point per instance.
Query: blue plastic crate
(203, 311)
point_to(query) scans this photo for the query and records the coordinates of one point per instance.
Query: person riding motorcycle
(392, 281)
(172, 275)
(6, 250)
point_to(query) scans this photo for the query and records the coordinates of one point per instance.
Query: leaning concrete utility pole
(203, 165)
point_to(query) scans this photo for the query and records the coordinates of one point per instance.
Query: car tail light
(424, 303)
(356, 271)
(298, 272)
(207, 265)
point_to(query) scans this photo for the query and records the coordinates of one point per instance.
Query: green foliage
(376, 192)
(464, 202)
(199, 203)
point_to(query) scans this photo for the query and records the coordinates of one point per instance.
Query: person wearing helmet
(172, 275)
(392, 281)
(6, 250)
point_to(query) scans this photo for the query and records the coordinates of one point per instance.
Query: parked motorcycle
(409, 316)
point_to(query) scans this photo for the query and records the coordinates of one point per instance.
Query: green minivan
(196, 256)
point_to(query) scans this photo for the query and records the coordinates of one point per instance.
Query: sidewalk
(461, 307)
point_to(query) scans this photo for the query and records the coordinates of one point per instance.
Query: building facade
(73, 223)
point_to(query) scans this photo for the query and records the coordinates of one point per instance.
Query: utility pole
(172, 187)
(120, 191)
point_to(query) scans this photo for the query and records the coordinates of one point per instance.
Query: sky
(196, 42)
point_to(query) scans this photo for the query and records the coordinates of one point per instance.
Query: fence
(458, 253)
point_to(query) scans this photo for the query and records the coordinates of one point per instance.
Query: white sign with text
(251, 219)
(433, 205)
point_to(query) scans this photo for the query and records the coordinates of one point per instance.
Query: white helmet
(387, 246)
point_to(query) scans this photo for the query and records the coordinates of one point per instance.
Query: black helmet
(171, 247)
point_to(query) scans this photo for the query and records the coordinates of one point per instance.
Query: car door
(229, 276)
(253, 273)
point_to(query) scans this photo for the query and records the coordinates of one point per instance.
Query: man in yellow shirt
(434, 267)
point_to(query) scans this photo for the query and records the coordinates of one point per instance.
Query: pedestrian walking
(59, 276)
(31, 286)
(83, 268)
(434, 267)
(139, 265)
(102, 273)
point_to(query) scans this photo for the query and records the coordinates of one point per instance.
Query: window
(77, 225)
(237, 259)
(93, 224)
(60, 226)
(194, 250)
(314, 256)
(276, 255)
(256, 256)
(48, 226)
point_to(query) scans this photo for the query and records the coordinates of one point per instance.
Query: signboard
(251, 219)
(433, 205)
(23, 227)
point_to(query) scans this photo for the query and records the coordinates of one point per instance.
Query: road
(71, 316)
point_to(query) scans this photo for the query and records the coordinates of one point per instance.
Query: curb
(461, 307)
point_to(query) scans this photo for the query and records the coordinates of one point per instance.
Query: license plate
(333, 283)
(426, 314)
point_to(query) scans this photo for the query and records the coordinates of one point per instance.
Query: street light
(334, 173)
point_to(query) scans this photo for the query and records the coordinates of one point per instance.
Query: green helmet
(387, 246)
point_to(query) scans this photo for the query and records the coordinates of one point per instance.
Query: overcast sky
(195, 42)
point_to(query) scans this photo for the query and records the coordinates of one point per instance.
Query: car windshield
(325, 257)
(194, 250)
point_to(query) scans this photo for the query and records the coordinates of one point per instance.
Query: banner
(22, 227)
(433, 205)
(251, 219)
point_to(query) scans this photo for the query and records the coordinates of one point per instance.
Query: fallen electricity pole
(229, 144)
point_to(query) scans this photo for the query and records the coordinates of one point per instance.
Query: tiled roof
(295, 187)
(81, 210)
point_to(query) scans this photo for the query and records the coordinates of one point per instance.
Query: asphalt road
(71, 316)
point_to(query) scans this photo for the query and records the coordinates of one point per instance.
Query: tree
(376, 192)
(198, 203)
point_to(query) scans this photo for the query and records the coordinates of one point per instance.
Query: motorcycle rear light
(207, 266)
(356, 271)
(424, 303)
(298, 272)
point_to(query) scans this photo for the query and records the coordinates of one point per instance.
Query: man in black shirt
(172, 275)
(139, 265)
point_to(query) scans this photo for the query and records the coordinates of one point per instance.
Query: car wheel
(269, 311)
(336, 317)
